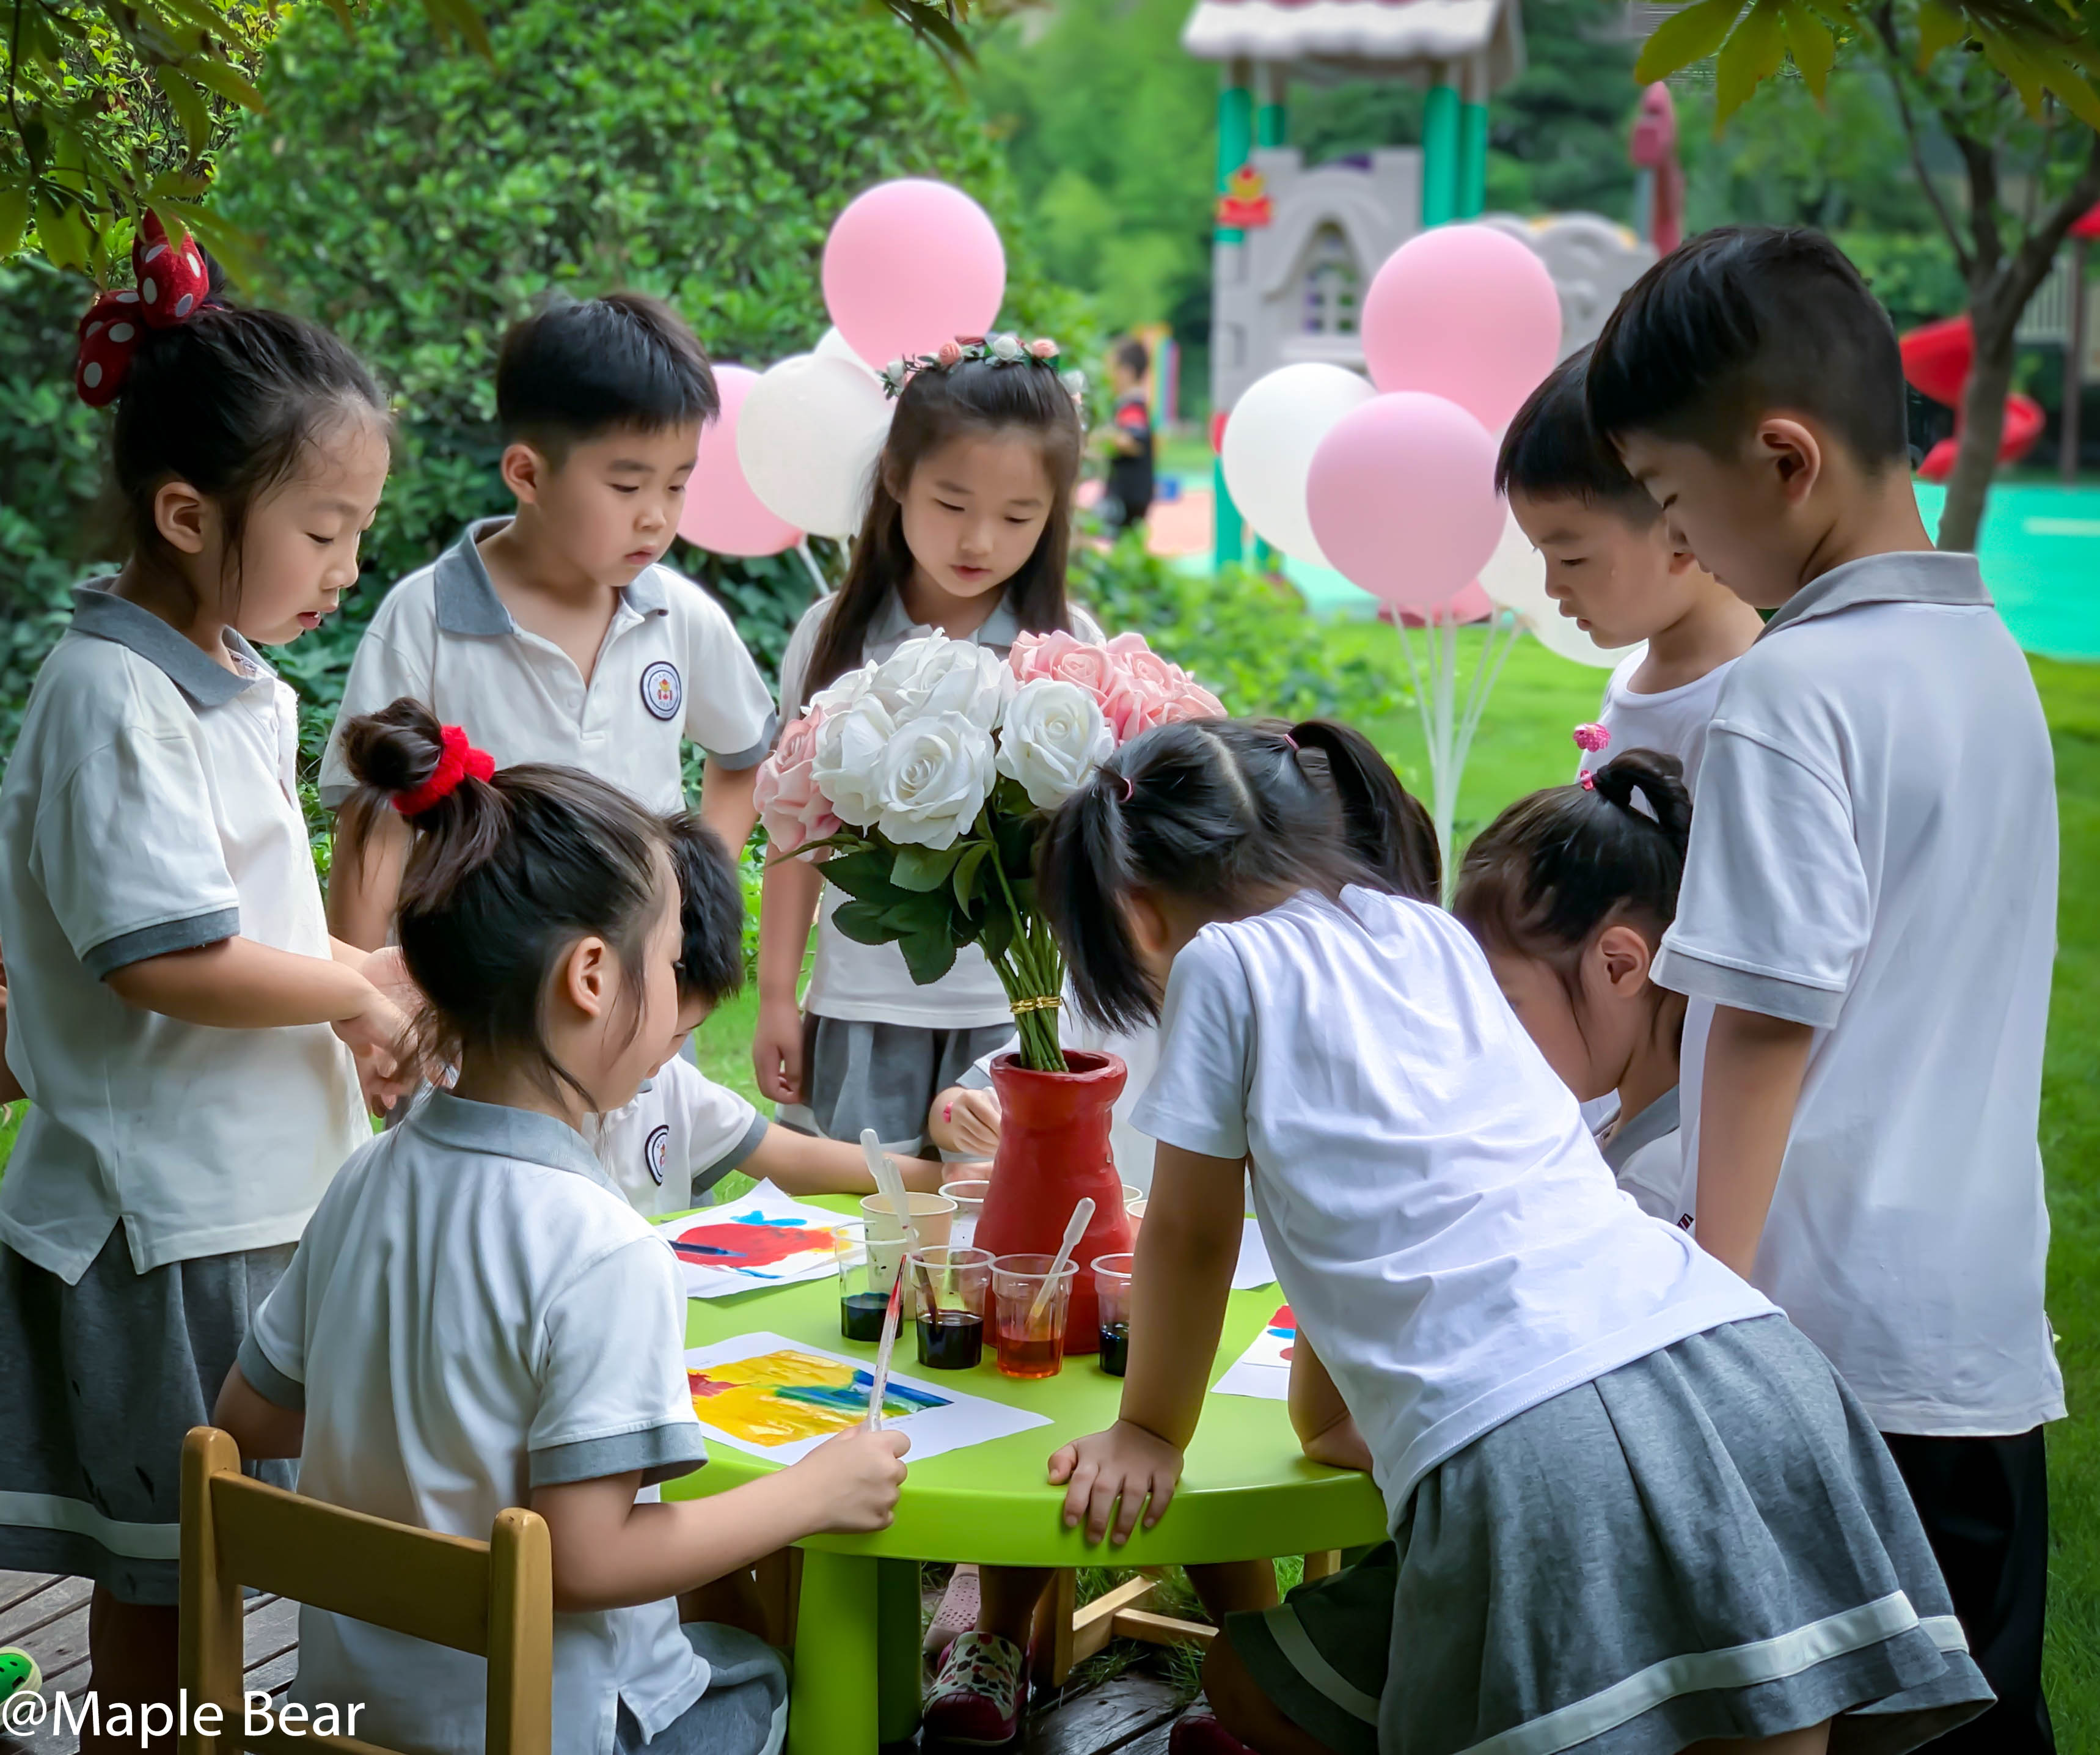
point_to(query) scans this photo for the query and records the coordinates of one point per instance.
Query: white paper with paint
(800, 1396)
(744, 1245)
(1263, 1369)
(1253, 1268)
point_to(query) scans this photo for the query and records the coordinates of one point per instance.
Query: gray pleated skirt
(103, 1379)
(883, 1076)
(744, 1711)
(1711, 1541)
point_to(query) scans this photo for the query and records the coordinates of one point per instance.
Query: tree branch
(2039, 251)
(1885, 23)
(1981, 162)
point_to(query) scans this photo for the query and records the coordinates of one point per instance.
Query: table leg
(832, 1704)
(898, 1647)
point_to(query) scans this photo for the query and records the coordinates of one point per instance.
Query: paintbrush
(890, 1181)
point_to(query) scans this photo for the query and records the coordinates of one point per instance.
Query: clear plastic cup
(1134, 1211)
(970, 1199)
(1031, 1342)
(933, 1215)
(1111, 1293)
(866, 1271)
(947, 1290)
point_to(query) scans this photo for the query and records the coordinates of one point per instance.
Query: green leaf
(928, 955)
(225, 80)
(191, 109)
(926, 914)
(995, 938)
(864, 875)
(1810, 43)
(967, 870)
(2022, 74)
(1751, 55)
(14, 218)
(1685, 37)
(921, 869)
(1939, 28)
(862, 923)
(62, 230)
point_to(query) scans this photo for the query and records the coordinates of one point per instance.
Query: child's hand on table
(854, 1480)
(1125, 1463)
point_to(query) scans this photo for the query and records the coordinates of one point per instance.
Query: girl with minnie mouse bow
(191, 1039)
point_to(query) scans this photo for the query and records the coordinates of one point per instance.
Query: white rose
(847, 766)
(932, 780)
(1054, 739)
(933, 674)
(1005, 347)
(846, 693)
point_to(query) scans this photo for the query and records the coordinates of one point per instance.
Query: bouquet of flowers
(922, 778)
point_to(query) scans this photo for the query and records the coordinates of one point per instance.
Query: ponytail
(1386, 826)
(1082, 870)
(1658, 779)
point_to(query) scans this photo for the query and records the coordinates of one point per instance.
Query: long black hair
(504, 875)
(1228, 814)
(936, 406)
(229, 400)
(1555, 868)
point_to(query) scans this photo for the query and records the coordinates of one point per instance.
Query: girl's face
(298, 548)
(1589, 1034)
(974, 509)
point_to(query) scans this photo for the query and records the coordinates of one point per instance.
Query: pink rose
(951, 352)
(1192, 700)
(794, 811)
(1044, 348)
(1065, 657)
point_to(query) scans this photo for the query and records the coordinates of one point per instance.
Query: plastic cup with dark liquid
(946, 1289)
(866, 1271)
(1031, 1342)
(1112, 1296)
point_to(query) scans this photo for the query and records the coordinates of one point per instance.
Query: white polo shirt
(1442, 1225)
(679, 1137)
(1874, 854)
(671, 666)
(1674, 720)
(869, 983)
(474, 1313)
(151, 805)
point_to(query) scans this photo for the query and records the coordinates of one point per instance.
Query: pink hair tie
(1588, 781)
(1129, 791)
(1292, 742)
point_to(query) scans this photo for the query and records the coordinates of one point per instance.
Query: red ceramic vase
(1053, 1148)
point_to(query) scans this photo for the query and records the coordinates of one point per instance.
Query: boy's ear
(526, 471)
(1792, 450)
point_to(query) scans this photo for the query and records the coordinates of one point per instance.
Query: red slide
(1936, 359)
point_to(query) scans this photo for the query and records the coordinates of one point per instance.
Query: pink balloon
(722, 514)
(1401, 494)
(1465, 312)
(909, 265)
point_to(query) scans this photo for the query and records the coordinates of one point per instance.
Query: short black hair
(1552, 451)
(1133, 357)
(1744, 320)
(584, 367)
(710, 911)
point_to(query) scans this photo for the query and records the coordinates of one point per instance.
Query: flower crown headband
(1000, 349)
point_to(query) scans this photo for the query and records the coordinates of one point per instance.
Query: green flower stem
(1035, 973)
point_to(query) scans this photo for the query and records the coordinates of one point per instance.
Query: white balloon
(808, 435)
(1515, 578)
(832, 346)
(1268, 447)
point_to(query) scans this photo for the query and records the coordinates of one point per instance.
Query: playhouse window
(1332, 283)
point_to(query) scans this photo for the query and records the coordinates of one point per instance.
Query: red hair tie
(172, 283)
(460, 759)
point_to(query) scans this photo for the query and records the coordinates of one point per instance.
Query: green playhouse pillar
(1235, 140)
(1472, 160)
(1440, 131)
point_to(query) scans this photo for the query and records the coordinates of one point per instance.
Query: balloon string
(816, 572)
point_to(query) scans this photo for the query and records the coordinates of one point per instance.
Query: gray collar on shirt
(893, 625)
(98, 610)
(525, 1134)
(465, 596)
(1658, 1119)
(1920, 576)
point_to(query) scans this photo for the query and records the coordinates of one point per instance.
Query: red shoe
(977, 1698)
(1199, 1733)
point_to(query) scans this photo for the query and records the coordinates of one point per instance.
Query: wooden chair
(494, 1598)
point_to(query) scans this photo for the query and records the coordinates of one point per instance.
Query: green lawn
(1522, 744)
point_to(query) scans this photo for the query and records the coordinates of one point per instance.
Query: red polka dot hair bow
(459, 759)
(172, 285)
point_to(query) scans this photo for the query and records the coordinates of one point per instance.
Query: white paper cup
(933, 1216)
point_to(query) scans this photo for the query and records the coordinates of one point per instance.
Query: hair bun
(396, 750)
(1657, 777)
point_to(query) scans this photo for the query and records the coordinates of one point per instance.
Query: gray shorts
(883, 1076)
(1711, 1541)
(744, 1711)
(103, 1380)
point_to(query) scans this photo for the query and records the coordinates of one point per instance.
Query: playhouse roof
(1360, 37)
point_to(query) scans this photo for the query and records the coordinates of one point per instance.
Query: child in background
(1632, 1510)
(1127, 501)
(475, 1319)
(557, 633)
(683, 1133)
(1869, 914)
(179, 1018)
(1569, 892)
(967, 531)
(1612, 564)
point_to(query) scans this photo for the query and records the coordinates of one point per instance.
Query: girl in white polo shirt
(967, 531)
(1569, 892)
(182, 1022)
(1631, 1509)
(476, 1319)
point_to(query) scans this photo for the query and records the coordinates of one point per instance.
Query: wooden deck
(1129, 1714)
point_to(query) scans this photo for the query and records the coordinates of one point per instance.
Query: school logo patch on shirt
(663, 689)
(656, 1153)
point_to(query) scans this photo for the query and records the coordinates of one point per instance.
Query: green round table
(1248, 1492)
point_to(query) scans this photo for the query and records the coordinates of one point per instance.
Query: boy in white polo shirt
(556, 634)
(1868, 907)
